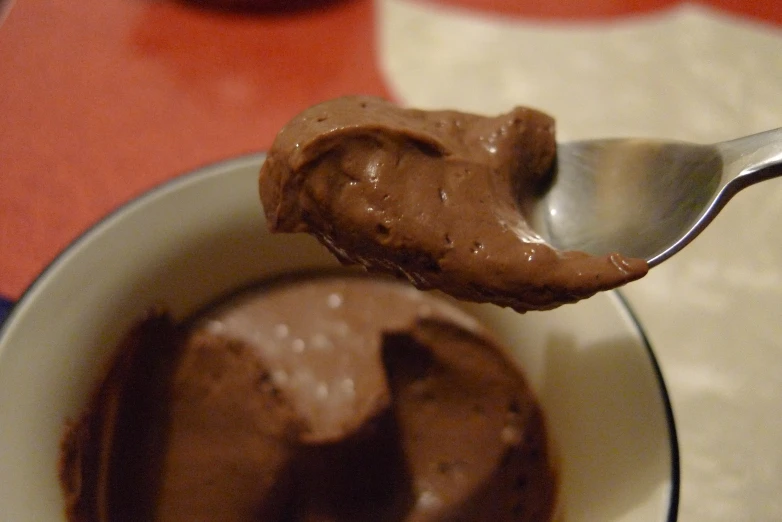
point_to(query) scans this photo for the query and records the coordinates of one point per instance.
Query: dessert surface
(330, 398)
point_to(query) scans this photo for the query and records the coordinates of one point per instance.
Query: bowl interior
(191, 240)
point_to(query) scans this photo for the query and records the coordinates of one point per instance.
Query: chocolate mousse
(437, 197)
(324, 398)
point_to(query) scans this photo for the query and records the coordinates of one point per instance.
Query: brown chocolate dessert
(328, 398)
(433, 196)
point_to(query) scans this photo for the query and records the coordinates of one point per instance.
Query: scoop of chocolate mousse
(433, 196)
(328, 400)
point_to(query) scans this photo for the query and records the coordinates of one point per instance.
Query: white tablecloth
(714, 311)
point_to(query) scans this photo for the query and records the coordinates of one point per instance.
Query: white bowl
(190, 240)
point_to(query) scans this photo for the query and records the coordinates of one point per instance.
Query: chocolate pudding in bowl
(197, 239)
(322, 397)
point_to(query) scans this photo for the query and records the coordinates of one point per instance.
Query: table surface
(103, 99)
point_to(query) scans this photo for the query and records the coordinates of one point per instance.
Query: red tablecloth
(102, 99)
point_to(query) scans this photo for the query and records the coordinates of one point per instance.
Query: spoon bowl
(647, 198)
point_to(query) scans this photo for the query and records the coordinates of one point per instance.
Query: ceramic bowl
(203, 234)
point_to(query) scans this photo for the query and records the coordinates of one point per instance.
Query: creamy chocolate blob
(436, 197)
(326, 398)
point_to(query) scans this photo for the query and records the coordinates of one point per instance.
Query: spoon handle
(751, 159)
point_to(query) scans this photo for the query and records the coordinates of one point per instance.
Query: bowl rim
(213, 168)
(673, 506)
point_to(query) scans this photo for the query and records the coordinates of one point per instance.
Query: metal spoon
(647, 198)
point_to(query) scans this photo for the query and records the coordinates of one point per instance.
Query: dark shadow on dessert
(142, 424)
(364, 477)
(111, 458)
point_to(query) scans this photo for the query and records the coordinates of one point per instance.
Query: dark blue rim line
(673, 508)
(6, 307)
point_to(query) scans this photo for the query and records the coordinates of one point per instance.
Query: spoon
(647, 198)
